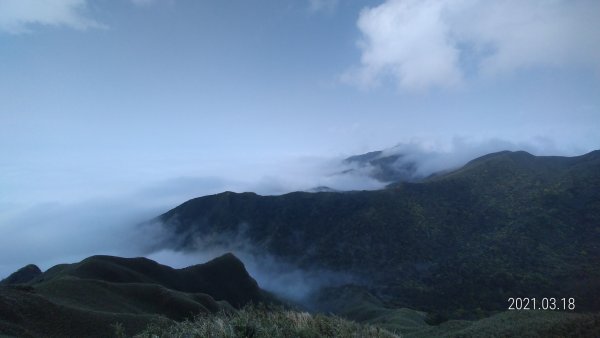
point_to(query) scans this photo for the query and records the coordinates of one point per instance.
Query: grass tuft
(258, 322)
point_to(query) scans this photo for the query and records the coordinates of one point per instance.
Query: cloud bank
(433, 157)
(59, 231)
(272, 273)
(437, 43)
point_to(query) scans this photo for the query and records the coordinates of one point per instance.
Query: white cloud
(322, 5)
(16, 16)
(431, 156)
(428, 43)
(405, 39)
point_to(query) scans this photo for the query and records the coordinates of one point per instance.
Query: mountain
(459, 244)
(23, 275)
(423, 258)
(384, 167)
(224, 278)
(105, 296)
(86, 298)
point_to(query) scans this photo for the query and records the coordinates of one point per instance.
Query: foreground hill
(357, 304)
(257, 323)
(224, 278)
(508, 224)
(106, 296)
(23, 275)
(84, 299)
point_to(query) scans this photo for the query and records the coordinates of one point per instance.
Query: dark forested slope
(507, 224)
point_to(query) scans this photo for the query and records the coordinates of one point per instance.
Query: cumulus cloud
(431, 43)
(17, 16)
(408, 41)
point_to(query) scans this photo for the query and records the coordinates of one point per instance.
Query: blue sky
(105, 100)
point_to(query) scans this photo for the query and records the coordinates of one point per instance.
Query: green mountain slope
(23, 275)
(25, 313)
(357, 304)
(84, 299)
(224, 278)
(508, 224)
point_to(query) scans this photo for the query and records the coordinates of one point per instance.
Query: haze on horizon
(114, 111)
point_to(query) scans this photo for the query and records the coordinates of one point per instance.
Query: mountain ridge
(383, 167)
(501, 216)
(86, 298)
(23, 275)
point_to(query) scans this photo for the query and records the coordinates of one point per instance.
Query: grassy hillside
(358, 304)
(505, 225)
(259, 322)
(138, 298)
(224, 278)
(521, 324)
(63, 305)
(84, 299)
(25, 313)
(23, 275)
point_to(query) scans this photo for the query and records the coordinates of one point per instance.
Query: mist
(64, 230)
(429, 157)
(272, 274)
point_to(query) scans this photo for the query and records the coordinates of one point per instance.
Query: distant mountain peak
(504, 154)
(372, 155)
(322, 188)
(384, 166)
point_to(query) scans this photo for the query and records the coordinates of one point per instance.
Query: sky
(112, 111)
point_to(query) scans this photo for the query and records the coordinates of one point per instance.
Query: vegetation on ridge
(83, 299)
(508, 224)
(259, 322)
